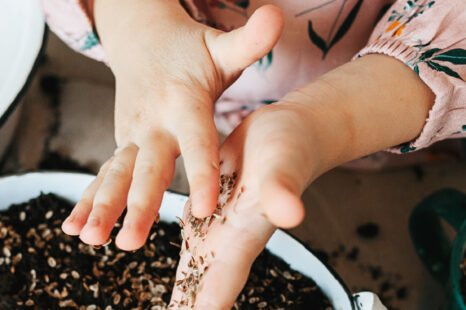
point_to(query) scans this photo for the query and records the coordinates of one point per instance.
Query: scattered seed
(6, 252)
(116, 299)
(75, 274)
(175, 244)
(152, 236)
(51, 261)
(48, 215)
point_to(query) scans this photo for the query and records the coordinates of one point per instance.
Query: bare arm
(362, 107)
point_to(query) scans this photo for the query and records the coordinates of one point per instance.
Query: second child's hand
(280, 149)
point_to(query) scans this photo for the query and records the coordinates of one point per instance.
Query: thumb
(234, 51)
(280, 200)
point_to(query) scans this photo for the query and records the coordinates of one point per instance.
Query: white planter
(22, 33)
(20, 188)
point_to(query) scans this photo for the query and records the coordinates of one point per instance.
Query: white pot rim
(29, 47)
(279, 239)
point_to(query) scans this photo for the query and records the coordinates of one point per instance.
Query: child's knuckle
(118, 170)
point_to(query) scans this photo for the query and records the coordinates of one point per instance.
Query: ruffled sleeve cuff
(430, 39)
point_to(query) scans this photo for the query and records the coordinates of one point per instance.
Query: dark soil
(42, 268)
(368, 231)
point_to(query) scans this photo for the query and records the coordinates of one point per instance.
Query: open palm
(264, 170)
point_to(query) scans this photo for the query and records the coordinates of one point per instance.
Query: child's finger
(78, 217)
(199, 148)
(110, 199)
(280, 200)
(237, 49)
(284, 176)
(153, 171)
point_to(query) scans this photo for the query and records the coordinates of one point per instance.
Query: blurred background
(356, 220)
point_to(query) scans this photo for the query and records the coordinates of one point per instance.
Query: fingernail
(127, 225)
(93, 221)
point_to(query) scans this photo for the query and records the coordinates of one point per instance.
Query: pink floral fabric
(71, 24)
(319, 35)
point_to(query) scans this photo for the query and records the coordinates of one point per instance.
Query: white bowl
(22, 31)
(20, 188)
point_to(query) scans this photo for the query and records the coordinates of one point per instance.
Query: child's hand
(169, 70)
(272, 153)
(280, 149)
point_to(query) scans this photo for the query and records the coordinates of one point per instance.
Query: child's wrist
(320, 124)
(119, 20)
(126, 27)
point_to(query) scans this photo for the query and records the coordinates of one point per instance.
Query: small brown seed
(51, 261)
(6, 252)
(262, 305)
(48, 215)
(75, 274)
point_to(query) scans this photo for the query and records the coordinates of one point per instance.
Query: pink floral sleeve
(71, 24)
(429, 37)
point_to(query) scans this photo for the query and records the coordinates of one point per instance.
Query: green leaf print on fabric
(406, 147)
(316, 39)
(408, 9)
(455, 56)
(91, 41)
(399, 20)
(444, 69)
(349, 20)
(264, 63)
(326, 44)
(428, 53)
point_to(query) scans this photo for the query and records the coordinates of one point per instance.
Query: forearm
(362, 107)
(122, 23)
